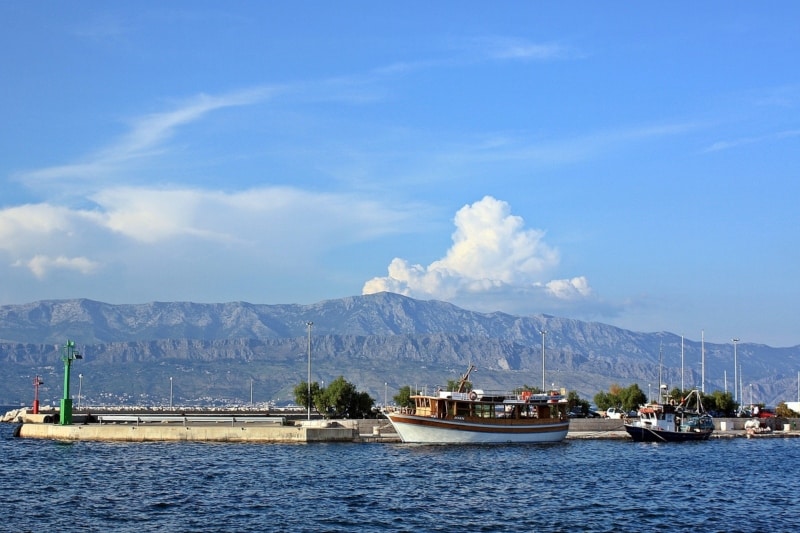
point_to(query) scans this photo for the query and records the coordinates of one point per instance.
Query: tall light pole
(544, 386)
(703, 361)
(309, 324)
(251, 392)
(735, 371)
(741, 386)
(170, 392)
(80, 386)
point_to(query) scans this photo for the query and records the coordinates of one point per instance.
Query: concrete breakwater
(193, 431)
(244, 427)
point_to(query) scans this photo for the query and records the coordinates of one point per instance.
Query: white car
(615, 412)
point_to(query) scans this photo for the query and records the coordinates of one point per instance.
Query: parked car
(615, 412)
(577, 412)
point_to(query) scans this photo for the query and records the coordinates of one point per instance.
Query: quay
(264, 428)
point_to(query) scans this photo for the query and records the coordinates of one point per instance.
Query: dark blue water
(582, 485)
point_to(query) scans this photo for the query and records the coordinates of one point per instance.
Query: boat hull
(428, 430)
(654, 434)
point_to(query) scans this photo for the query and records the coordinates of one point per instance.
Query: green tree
(783, 411)
(604, 400)
(719, 401)
(628, 398)
(301, 394)
(677, 395)
(403, 397)
(632, 397)
(452, 385)
(341, 400)
(574, 402)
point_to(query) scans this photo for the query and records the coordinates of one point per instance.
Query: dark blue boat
(665, 422)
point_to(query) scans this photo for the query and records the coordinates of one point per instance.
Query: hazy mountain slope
(376, 341)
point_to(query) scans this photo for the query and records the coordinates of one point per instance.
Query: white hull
(426, 430)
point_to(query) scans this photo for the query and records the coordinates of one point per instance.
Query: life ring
(473, 396)
(526, 394)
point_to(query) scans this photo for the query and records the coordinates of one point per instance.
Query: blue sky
(632, 164)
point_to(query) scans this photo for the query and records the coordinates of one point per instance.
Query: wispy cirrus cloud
(508, 48)
(743, 141)
(146, 137)
(486, 49)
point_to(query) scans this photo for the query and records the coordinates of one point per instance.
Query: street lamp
(544, 386)
(735, 371)
(309, 324)
(80, 386)
(170, 392)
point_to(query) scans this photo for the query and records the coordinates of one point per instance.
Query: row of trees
(631, 397)
(340, 399)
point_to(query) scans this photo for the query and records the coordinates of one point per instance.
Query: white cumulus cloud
(495, 262)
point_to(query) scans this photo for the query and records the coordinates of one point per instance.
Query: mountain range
(234, 352)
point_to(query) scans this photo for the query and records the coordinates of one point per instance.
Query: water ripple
(586, 485)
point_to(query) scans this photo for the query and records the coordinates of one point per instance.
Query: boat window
(483, 410)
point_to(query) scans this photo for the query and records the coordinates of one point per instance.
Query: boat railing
(506, 396)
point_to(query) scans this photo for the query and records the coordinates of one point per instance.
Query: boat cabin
(478, 404)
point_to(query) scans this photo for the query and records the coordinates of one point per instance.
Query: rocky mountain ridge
(379, 342)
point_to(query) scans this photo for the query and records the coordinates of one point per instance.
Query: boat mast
(660, 366)
(682, 389)
(462, 383)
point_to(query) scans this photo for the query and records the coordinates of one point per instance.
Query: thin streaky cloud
(514, 146)
(484, 49)
(743, 141)
(147, 136)
(505, 48)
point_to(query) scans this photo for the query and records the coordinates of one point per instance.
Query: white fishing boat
(482, 417)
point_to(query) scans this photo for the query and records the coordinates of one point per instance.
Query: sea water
(578, 485)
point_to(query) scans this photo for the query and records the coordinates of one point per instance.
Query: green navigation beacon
(68, 354)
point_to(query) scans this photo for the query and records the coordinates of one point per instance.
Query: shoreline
(274, 427)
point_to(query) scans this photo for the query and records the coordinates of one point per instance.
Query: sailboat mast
(660, 366)
(682, 387)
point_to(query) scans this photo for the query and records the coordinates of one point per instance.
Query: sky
(634, 164)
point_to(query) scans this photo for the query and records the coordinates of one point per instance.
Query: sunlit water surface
(583, 485)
